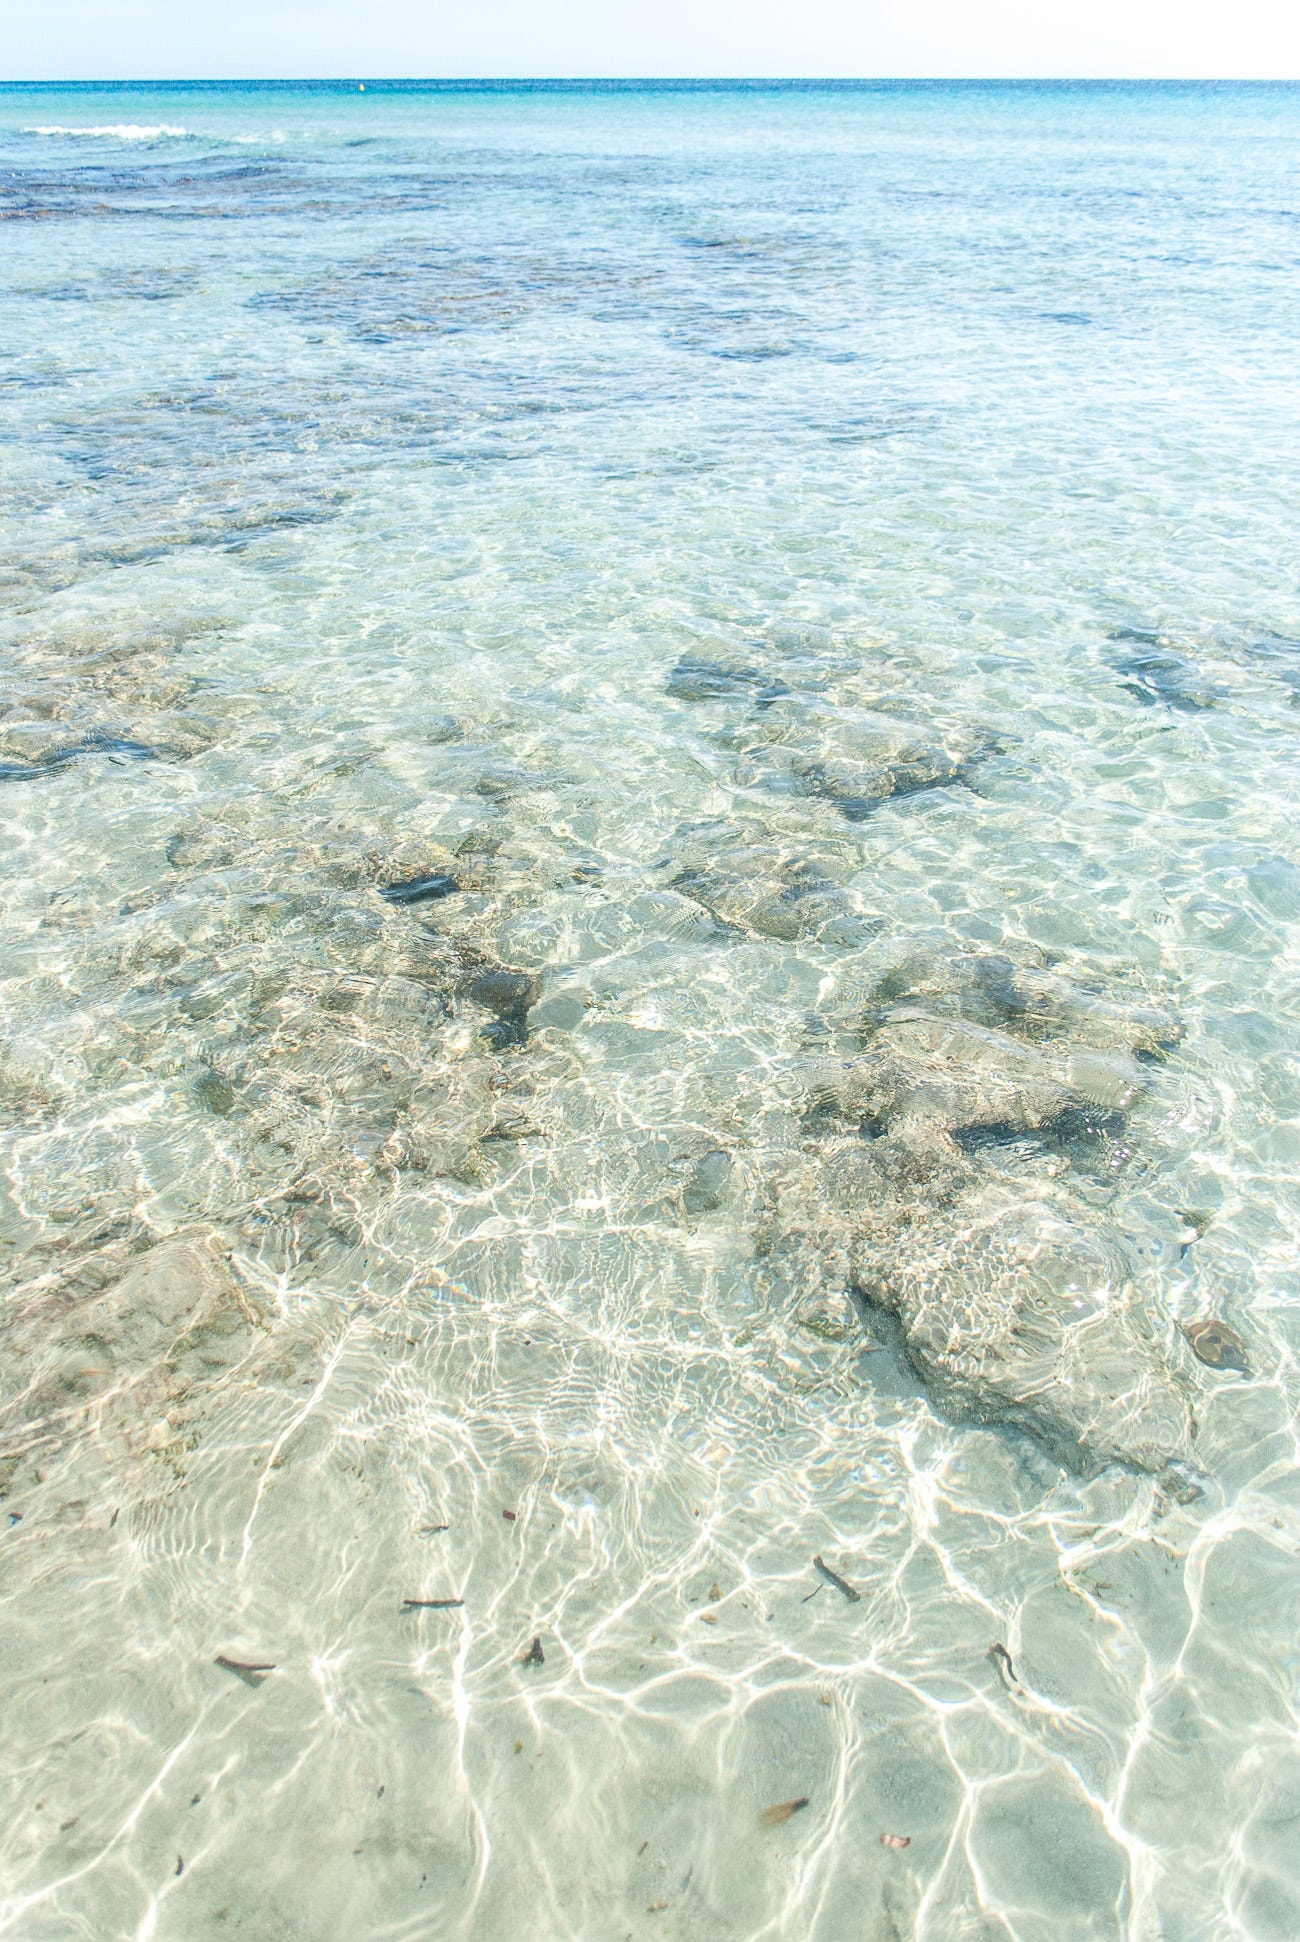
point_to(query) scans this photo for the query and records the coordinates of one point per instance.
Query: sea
(649, 1012)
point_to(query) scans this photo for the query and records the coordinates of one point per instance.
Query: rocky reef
(941, 1180)
(337, 1007)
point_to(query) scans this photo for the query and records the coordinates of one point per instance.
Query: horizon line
(359, 79)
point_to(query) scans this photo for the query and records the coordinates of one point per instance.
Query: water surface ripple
(648, 755)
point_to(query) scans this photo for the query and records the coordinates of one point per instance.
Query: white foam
(121, 131)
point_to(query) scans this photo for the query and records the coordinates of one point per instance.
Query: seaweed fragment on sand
(252, 1672)
(1002, 1660)
(834, 1579)
(783, 1811)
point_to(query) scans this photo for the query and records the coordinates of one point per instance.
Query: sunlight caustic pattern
(650, 915)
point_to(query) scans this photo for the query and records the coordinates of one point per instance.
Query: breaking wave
(122, 131)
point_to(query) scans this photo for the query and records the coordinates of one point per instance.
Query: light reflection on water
(767, 549)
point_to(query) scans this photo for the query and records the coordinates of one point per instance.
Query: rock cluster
(1016, 1298)
(750, 880)
(854, 758)
(111, 1348)
(340, 1008)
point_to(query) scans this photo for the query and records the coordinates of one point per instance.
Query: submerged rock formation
(106, 1346)
(853, 757)
(939, 1180)
(747, 879)
(1155, 674)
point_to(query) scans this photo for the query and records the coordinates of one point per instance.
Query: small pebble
(1215, 1344)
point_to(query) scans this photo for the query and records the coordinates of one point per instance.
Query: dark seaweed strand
(833, 1578)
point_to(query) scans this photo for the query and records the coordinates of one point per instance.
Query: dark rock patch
(1029, 999)
(418, 890)
(1157, 676)
(697, 678)
(708, 1184)
(509, 995)
(1280, 657)
(116, 748)
(1217, 1345)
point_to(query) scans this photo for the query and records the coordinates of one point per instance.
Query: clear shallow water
(577, 494)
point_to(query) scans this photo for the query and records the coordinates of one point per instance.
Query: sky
(141, 39)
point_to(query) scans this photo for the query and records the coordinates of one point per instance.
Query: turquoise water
(793, 591)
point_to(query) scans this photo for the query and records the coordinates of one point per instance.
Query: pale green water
(372, 464)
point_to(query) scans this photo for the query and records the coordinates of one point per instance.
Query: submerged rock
(1028, 999)
(1157, 676)
(1016, 1304)
(1280, 656)
(341, 1074)
(500, 781)
(406, 868)
(708, 1184)
(938, 1182)
(697, 678)
(1217, 1345)
(957, 1078)
(969, 1047)
(747, 880)
(419, 890)
(509, 995)
(83, 1356)
(1028, 1311)
(829, 1316)
(119, 748)
(852, 757)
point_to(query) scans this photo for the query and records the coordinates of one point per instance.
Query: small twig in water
(784, 1809)
(1002, 1659)
(833, 1578)
(252, 1675)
